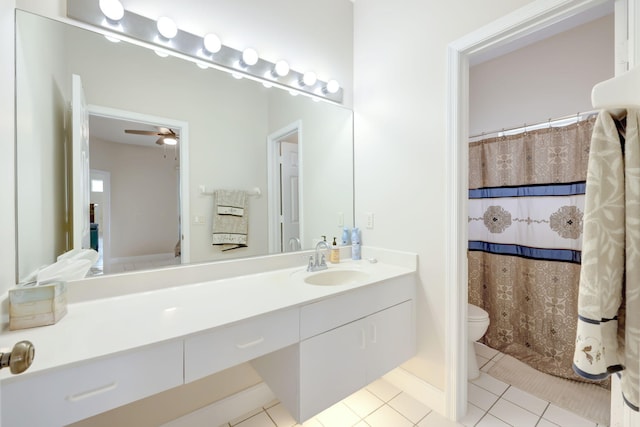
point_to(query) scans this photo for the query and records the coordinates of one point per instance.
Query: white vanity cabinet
(66, 395)
(373, 336)
(313, 345)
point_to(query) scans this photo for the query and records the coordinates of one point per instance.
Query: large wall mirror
(152, 203)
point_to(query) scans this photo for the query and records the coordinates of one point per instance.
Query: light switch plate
(369, 219)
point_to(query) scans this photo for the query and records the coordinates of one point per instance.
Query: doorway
(513, 29)
(147, 198)
(99, 219)
(284, 178)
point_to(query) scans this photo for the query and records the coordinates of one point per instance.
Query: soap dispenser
(334, 256)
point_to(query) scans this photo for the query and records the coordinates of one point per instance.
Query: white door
(80, 175)
(290, 201)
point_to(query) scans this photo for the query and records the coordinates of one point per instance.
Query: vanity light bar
(189, 45)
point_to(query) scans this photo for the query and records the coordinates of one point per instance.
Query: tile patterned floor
(492, 403)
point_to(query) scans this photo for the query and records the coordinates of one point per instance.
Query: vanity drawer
(332, 312)
(70, 394)
(213, 351)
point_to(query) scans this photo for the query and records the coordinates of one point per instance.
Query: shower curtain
(526, 204)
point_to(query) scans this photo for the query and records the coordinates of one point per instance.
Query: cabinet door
(331, 367)
(390, 339)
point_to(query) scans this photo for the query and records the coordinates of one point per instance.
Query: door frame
(531, 18)
(273, 182)
(183, 191)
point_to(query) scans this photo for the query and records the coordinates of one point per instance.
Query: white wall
(400, 75)
(549, 79)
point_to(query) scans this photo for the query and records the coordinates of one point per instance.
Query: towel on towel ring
(230, 219)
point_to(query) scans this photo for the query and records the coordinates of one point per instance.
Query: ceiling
(591, 14)
(112, 130)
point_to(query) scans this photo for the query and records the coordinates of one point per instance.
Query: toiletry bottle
(334, 256)
(355, 243)
(345, 237)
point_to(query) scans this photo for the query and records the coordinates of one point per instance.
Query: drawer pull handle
(91, 393)
(374, 334)
(250, 344)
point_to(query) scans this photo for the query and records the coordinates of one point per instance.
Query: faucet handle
(310, 265)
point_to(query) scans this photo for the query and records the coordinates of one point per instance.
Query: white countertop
(101, 327)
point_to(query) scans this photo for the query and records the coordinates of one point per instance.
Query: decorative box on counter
(31, 306)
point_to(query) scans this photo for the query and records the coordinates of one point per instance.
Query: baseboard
(226, 409)
(419, 389)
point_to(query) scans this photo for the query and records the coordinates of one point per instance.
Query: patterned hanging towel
(608, 330)
(230, 219)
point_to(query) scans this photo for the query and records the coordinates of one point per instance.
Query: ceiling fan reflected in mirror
(165, 136)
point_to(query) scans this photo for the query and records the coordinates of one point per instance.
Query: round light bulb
(309, 78)
(202, 65)
(167, 28)
(161, 53)
(237, 76)
(293, 93)
(333, 86)
(281, 68)
(212, 43)
(249, 56)
(169, 141)
(112, 9)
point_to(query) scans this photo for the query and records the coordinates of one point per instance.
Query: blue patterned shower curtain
(526, 204)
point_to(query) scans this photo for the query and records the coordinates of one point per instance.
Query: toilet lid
(476, 313)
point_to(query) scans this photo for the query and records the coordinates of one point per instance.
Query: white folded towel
(230, 219)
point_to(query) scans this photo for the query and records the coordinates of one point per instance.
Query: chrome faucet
(294, 244)
(320, 261)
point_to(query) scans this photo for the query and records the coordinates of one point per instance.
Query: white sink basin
(336, 277)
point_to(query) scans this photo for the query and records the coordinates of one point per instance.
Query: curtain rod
(549, 123)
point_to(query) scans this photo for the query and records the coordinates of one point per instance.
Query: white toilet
(477, 324)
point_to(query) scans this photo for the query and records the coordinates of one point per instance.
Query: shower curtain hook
(549, 122)
(525, 128)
